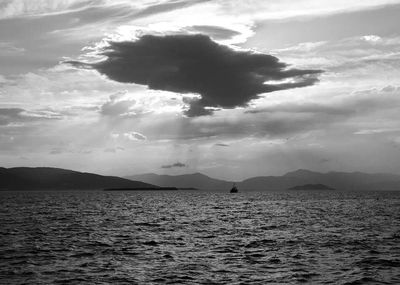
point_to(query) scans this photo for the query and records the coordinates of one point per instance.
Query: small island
(142, 189)
(150, 189)
(311, 187)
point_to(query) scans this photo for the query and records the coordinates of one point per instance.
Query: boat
(234, 189)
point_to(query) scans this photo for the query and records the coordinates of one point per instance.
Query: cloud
(286, 118)
(18, 115)
(166, 7)
(114, 149)
(222, 144)
(352, 54)
(177, 164)
(224, 77)
(305, 107)
(376, 131)
(117, 105)
(283, 9)
(138, 103)
(18, 8)
(57, 151)
(215, 32)
(7, 49)
(135, 136)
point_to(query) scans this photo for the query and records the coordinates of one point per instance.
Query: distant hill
(195, 180)
(311, 187)
(46, 178)
(336, 180)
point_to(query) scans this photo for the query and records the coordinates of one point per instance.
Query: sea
(192, 237)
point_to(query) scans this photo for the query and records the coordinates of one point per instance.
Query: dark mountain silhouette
(336, 180)
(311, 187)
(46, 178)
(195, 180)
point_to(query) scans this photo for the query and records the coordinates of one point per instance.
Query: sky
(231, 89)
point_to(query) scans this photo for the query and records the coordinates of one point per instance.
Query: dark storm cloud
(178, 164)
(224, 77)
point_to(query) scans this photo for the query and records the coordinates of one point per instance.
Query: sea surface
(190, 237)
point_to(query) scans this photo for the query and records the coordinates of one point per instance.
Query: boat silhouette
(234, 189)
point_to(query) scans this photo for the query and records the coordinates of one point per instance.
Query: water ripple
(199, 238)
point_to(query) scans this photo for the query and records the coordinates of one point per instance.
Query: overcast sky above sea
(231, 89)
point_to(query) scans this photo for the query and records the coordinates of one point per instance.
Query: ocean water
(190, 237)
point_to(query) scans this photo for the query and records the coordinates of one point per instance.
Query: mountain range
(336, 180)
(47, 178)
(194, 180)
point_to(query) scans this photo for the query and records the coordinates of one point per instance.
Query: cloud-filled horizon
(232, 91)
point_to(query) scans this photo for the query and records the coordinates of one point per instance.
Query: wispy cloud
(177, 164)
(135, 136)
(18, 8)
(18, 115)
(7, 49)
(377, 131)
(222, 144)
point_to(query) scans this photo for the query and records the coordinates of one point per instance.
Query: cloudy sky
(231, 89)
